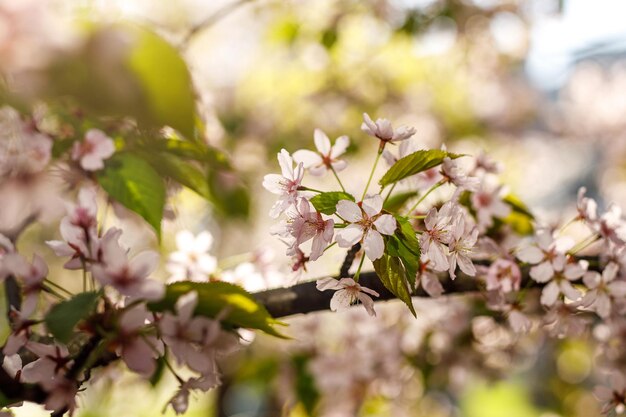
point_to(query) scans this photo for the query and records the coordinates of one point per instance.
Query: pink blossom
(78, 230)
(31, 276)
(93, 150)
(326, 157)
(548, 255)
(180, 401)
(612, 396)
(519, 322)
(23, 150)
(348, 291)
(461, 244)
(192, 260)
(587, 207)
(603, 288)
(195, 341)
(503, 275)
(429, 281)
(54, 361)
(611, 226)
(285, 185)
(306, 223)
(383, 130)
(366, 225)
(562, 320)
(453, 173)
(488, 203)
(437, 234)
(137, 350)
(130, 278)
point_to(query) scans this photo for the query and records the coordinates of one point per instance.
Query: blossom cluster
(463, 220)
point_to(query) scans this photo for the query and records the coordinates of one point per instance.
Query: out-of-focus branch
(211, 20)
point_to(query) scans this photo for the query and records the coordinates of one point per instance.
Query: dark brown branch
(305, 298)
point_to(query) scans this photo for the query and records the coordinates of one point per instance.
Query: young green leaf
(518, 206)
(237, 306)
(179, 170)
(327, 202)
(397, 201)
(393, 276)
(414, 164)
(63, 317)
(135, 184)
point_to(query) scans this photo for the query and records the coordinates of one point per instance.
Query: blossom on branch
(367, 225)
(347, 292)
(192, 261)
(93, 150)
(326, 157)
(285, 185)
(383, 130)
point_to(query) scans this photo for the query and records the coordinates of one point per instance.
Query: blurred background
(539, 85)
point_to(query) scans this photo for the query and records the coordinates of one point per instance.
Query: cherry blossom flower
(548, 255)
(326, 157)
(462, 241)
(93, 150)
(53, 361)
(306, 223)
(503, 275)
(587, 208)
(180, 401)
(23, 150)
(603, 288)
(611, 226)
(192, 261)
(453, 173)
(195, 341)
(519, 322)
(137, 350)
(129, 278)
(487, 201)
(614, 395)
(78, 230)
(563, 320)
(12, 364)
(285, 185)
(383, 130)
(437, 234)
(31, 275)
(429, 281)
(366, 225)
(348, 291)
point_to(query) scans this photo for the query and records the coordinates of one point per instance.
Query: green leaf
(158, 373)
(238, 306)
(305, 387)
(63, 317)
(414, 164)
(518, 206)
(134, 183)
(166, 82)
(407, 235)
(125, 70)
(397, 201)
(327, 202)
(228, 193)
(179, 170)
(393, 276)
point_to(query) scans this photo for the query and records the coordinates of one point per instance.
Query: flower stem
(57, 286)
(303, 188)
(367, 186)
(430, 190)
(358, 270)
(337, 177)
(583, 244)
(330, 246)
(389, 193)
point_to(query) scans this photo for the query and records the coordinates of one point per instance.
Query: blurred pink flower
(93, 150)
(602, 288)
(129, 278)
(192, 260)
